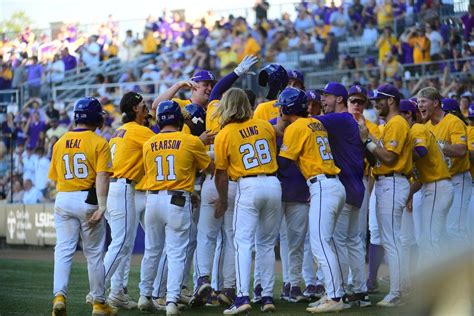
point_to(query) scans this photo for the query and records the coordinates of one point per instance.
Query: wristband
(368, 141)
(371, 147)
(442, 145)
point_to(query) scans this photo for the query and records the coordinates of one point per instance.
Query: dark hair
(251, 96)
(459, 114)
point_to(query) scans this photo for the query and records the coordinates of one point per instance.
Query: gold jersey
(266, 111)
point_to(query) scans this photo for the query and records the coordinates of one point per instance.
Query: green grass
(26, 289)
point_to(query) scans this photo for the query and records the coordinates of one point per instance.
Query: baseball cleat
(285, 292)
(310, 291)
(357, 299)
(212, 300)
(240, 306)
(268, 306)
(121, 300)
(145, 304)
(103, 309)
(322, 300)
(186, 296)
(59, 306)
(159, 303)
(204, 287)
(172, 309)
(257, 294)
(329, 305)
(226, 297)
(296, 296)
(393, 302)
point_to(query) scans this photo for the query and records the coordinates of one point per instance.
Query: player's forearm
(102, 188)
(455, 151)
(222, 86)
(222, 184)
(386, 157)
(167, 95)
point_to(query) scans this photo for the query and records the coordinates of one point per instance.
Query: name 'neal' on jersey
(73, 143)
(248, 131)
(165, 144)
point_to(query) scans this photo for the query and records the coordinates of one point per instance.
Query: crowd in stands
(403, 33)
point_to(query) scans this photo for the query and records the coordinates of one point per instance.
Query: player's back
(171, 160)
(77, 158)
(266, 110)
(250, 146)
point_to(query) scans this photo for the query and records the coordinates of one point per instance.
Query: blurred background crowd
(413, 44)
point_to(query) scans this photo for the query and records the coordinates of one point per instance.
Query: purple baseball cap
(296, 75)
(470, 111)
(203, 75)
(335, 88)
(408, 106)
(449, 104)
(313, 95)
(386, 91)
(358, 89)
(370, 60)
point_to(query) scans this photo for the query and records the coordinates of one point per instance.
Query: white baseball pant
(364, 213)
(373, 224)
(167, 226)
(257, 213)
(159, 284)
(407, 241)
(436, 200)
(217, 277)
(209, 228)
(70, 220)
(327, 200)
(309, 269)
(350, 249)
(391, 198)
(122, 218)
(119, 279)
(458, 213)
(284, 251)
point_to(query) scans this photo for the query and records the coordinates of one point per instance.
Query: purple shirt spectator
(398, 9)
(468, 21)
(70, 62)
(407, 54)
(188, 37)
(34, 131)
(34, 71)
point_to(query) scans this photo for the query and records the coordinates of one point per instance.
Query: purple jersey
(293, 184)
(348, 152)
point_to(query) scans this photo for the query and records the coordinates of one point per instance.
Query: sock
(376, 253)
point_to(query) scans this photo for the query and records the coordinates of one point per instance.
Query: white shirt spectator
(370, 35)
(436, 42)
(41, 175)
(55, 71)
(338, 23)
(31, 195)
(303, 23)
(29, 165)
(150, 73)
(91, 54)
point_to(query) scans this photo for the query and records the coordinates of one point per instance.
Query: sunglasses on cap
(376, 92)
(357, 101)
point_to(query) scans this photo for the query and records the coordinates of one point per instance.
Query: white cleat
(121, 300)
(329, 306)
(146, 304)
(322, 300)
(172, 309)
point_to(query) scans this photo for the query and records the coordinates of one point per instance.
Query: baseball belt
(316, 179)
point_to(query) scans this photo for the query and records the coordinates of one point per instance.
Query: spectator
(188, 35)
(34, 75)
(228, 59)
(468, 22)
(390, 65)
(421, 46)
(19, 71)
(293, 40)
(338, 22)
(251, 47)
(370, 34)
(69, 61)
(5, 167)
(15, 195)
(55, 129)
(357, 7)
(405, 49)
(385, 43)
(306, 46)
(261, 8)
(355, 21)
(303, 21)
(90, 53)
(31, 195)
(371, 70)
(399, 14)
(41, 180)
(28, 160)
(398, 83)
(464, 103)
(51, 112)
(330, 50)
(436, 42)
(384, 12)
(6, 76)
(33, 129)
(368, 14)
(55, 70)
(8, 131)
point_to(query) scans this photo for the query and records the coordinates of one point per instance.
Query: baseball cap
(386, 91)
(313, 95)
(470, 111)
(203, 75)
(296, 75)
(129, 100)
(335, 88)
(449, 104)
(408, 106)
(358, 89)
(370, 60)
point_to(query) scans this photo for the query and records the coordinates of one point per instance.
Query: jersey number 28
(263, 154)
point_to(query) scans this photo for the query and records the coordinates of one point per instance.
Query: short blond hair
(234, 107)
(430, 93)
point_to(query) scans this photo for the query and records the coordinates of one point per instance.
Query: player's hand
(245, 65)
(207, 137)
(186, 84)
(195, 199)
(96, 217)
(363, 130)
(220, 208)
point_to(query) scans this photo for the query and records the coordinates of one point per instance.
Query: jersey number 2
(160, 176)
(79, 167)
(324, 148)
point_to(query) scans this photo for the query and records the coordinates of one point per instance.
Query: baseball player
(394, 155)
(433, 178)
(125, 146)
(275, 77)
(171, 160)
(305, 141)
(245, 151)
(470, 137)
(451, 135)
(210, 226)
(80, 161)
